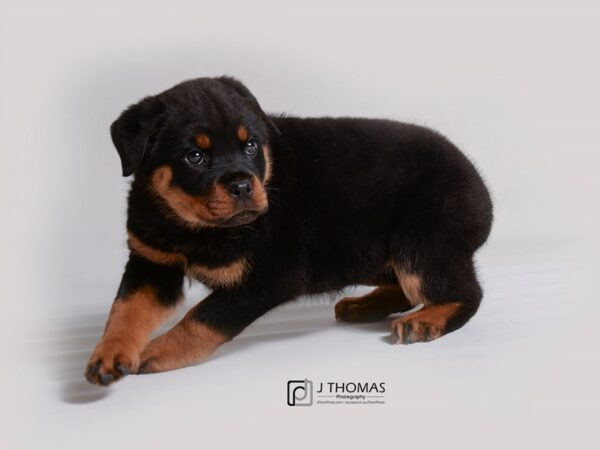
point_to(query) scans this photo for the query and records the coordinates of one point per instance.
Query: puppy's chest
(227, 274)
(217, 267)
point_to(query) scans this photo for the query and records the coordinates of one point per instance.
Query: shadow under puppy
(263, 209)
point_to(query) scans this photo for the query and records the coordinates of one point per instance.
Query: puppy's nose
(240, 189)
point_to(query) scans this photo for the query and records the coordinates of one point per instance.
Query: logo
(300, 392)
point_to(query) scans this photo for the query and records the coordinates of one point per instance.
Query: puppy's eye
(195, 157)
(250, 147)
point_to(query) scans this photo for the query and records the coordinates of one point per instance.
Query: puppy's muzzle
(247, 197)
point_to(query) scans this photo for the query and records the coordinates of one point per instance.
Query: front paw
(160, 355)
(112, 359)
(187, 343)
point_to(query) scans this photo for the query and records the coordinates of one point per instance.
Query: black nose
(240, 189)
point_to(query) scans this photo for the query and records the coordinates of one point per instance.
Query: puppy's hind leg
(374, 306)
(450, 293)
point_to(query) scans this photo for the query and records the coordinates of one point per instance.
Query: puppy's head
(202, 148)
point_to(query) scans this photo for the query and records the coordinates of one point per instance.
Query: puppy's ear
(134, 132)
(245, 93)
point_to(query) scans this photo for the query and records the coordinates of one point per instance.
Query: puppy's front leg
(217, 319)
(146, 298)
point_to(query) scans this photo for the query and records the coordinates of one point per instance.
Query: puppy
(263, 209)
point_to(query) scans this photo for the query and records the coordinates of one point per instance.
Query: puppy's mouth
(243, 217)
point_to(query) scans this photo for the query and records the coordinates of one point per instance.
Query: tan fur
(259, 194)
(203, 141)
(187, 343)
(242, 133)
(375, 305)
(220, 202)
(129, 325)
(225, 276)
(205, 210)
(154, 255)
(191, 209)
(268, 163)
(411, 285)
(425, 324)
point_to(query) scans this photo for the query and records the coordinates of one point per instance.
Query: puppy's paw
(187, 343)
(362, 309)
(374, 306)
(408, 330)
(170, 351)
(112, 359)
(158, 356)
(354, 309)
(424, 325)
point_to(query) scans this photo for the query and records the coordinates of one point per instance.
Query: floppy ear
(245, 93)
(134, 132)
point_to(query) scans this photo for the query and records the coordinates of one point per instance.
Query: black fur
(166, 281)
(347, 197)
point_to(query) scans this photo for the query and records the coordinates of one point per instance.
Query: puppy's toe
(407, 330)
(110, 362)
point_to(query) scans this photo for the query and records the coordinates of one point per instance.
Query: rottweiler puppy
(263, 209)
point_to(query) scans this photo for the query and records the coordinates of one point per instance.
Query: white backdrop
(512, 83)
(515, 86)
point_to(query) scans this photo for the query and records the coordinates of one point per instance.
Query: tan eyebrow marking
(242, 133)
(203, 141)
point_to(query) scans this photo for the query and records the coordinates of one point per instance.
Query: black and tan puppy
(264, 209)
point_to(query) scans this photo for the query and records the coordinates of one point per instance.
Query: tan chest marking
(154, 255)
(223, 276)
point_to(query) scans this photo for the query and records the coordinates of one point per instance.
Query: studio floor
(523, 371)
